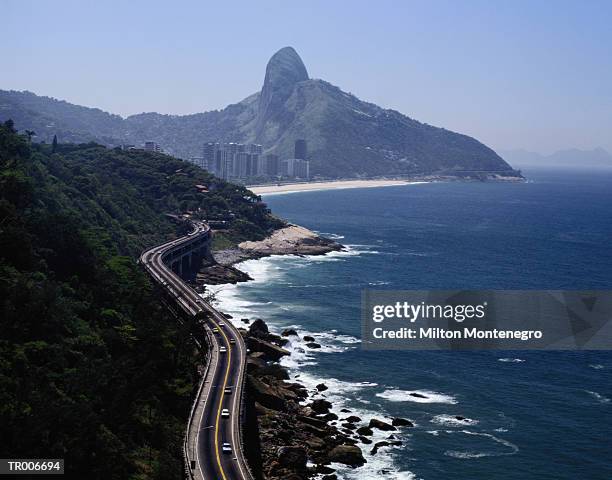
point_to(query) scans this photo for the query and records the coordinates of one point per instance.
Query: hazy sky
(534, 75)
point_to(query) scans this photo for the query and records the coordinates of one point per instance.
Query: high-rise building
(300, 149)
(295, 168)
(269, 166)
(152, 147)
(232, 160)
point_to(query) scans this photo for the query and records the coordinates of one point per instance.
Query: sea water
(540, 415)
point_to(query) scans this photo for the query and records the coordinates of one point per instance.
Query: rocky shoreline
(299, 437)
(289, 240)
(292, 432)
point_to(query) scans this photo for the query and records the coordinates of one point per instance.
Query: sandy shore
(332, 185)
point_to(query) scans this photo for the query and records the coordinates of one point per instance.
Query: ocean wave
(597, 366)
(378, 283)
(471, 454)
(598, 396)
(333, 236)
(453, 421)
(418, 396)
(511, 360)
(342, 396)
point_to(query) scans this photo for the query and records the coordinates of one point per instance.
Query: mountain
(597, 157)
(346, 136)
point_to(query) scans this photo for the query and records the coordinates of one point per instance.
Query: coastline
(289, 240)
(301, 424)
(368, 438)
(327, 185)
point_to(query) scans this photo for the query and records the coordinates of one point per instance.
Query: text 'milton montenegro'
(487, 320)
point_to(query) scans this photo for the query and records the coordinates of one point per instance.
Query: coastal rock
(324, 469)
(384, 443)
(348, 455)
(320, 406)
(352, 419)
(308, 338)
(271, 351)
(321, 387)
(289, 332)
(291, 240)
(364, 440)
(380, 425)
(259, 329)
(313, 345)
(401, 422)
(330, 416)
(276, 371)
(365, 431)
(349, 426)
(294, 457)
(417, 395)
(266, 395)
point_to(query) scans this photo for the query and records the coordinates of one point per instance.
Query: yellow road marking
(229, 362)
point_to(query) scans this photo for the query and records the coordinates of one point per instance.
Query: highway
(214, 420)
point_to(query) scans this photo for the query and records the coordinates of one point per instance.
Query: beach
(331, 185)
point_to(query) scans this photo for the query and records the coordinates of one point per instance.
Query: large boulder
(365, 431)
(401, 422)
(292, 457)
(320, 406)
(271, 352)
(266, 395)
(375, 423)
(259, 329)
(348, 455)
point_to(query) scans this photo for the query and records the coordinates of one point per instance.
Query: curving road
(209, 427)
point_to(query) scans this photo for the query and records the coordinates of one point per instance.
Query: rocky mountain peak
(283, 71)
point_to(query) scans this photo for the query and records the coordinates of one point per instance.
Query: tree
(54, 145)
(30, 134)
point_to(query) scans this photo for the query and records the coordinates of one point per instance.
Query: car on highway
(221, 324)
(215, 330)
(232, 340)
(222, 349)
(225, 413)
(228, 390)
(226, 448)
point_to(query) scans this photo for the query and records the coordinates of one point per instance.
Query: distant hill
(346, 136)
(574, 157)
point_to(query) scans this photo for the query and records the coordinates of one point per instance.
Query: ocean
(528, 415)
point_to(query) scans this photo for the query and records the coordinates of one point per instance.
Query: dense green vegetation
(92, 367)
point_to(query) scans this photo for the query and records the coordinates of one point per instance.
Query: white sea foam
(598, 396)
(417, 396)
(337, 393)
(597, 366)
(512, 448)
(453, 421)
(510, 360)
(231, 300)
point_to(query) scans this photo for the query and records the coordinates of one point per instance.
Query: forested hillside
(92, 368)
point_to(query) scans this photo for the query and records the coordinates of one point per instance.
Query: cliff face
(346, 136)
(284, 71)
